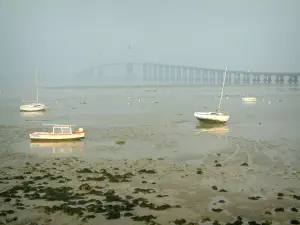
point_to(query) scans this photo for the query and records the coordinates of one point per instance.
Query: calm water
(157, 122)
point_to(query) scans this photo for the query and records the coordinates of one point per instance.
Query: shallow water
(159, 122)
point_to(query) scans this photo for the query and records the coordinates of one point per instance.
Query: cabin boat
(33, 106)
(249, 99)
(59, 133)
(215, 117)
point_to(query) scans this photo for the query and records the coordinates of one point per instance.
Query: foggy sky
(63, 37)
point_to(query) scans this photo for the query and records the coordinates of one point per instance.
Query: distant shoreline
(155, 86)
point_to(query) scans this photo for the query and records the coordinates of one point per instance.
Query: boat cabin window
(56, 130)
(66, 130)
(62, 130)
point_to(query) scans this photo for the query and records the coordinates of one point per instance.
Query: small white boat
(34, 106)
(249, 99)
(215, 117)
(212, 116)
(59, 133)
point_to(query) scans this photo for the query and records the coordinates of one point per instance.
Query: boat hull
(32, 108)
(210, 121)
(56, 140)
(49, 137)
(210, 117)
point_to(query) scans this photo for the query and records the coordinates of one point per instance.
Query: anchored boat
(215, 117)
(33, 106)
(59, 133)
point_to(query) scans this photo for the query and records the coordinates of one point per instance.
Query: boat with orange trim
(59, 133)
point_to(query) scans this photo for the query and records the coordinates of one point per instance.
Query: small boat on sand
(214, 117)
(34, 106)
(249, 99)
(59, 133)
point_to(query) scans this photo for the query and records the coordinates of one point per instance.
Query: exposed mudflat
(146, 160)
(154, 191)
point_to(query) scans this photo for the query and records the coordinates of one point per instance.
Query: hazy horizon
(62, 38)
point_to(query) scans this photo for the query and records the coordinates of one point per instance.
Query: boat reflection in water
(31, 114)
(212, 128)
(248, 103)
(59, 148)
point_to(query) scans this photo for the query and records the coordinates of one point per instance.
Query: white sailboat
(34, 106)
(216, 117)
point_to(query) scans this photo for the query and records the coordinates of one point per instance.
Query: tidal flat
(151, 191)
(146, 160)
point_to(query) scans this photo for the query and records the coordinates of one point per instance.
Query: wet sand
(168, 170)
(157, 191)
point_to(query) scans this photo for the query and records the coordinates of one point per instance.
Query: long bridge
(164, 74)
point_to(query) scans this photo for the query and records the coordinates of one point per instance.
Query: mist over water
(64, 38)
(134, 126)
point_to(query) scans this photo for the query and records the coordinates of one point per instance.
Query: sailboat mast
(37, 85)
(222, 89)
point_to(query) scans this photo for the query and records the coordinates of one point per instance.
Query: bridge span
(162, 74)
